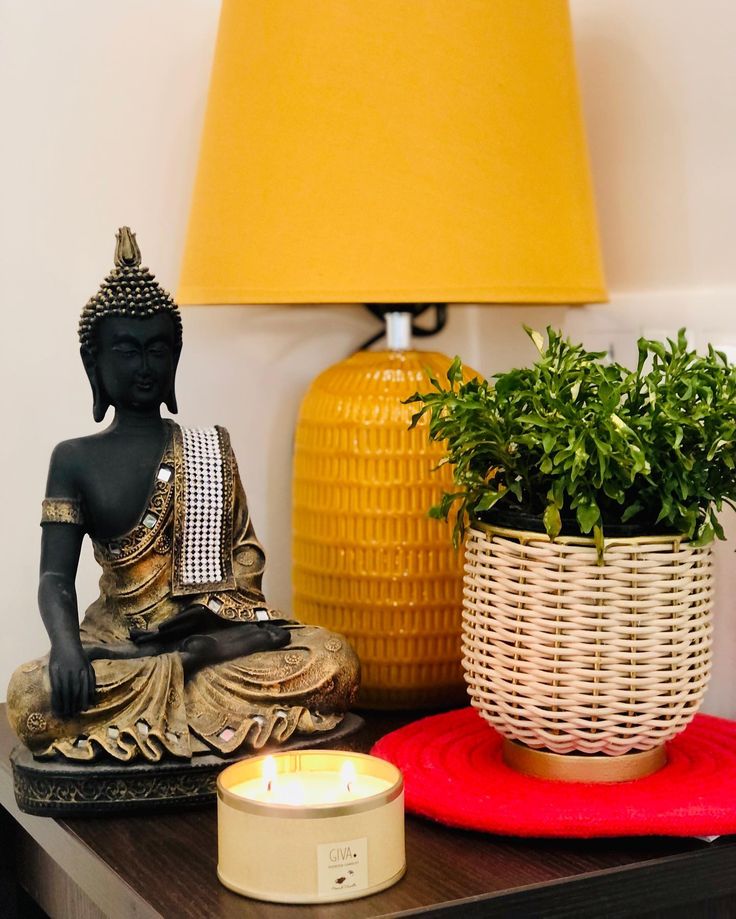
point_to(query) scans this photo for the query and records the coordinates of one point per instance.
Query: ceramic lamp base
(368, 561)
(574, 767)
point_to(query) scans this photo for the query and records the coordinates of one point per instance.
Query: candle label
(343, 866)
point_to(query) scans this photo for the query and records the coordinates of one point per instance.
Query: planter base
(580, 767)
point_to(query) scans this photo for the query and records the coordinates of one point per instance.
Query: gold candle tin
(310, 853)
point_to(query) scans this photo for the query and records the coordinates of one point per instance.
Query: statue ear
(100, 401)
(170, 400)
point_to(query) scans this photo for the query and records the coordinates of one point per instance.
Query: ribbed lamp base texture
(368, 561)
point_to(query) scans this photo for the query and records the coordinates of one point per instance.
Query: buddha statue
(181, 654)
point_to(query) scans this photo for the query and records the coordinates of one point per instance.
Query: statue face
(136, 360)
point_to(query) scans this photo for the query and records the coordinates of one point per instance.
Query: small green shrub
(575, 436)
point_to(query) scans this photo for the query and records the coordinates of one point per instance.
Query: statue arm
(248, 555)
(70, 672)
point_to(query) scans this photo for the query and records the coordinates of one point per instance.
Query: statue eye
(159, 350)
(125, 348)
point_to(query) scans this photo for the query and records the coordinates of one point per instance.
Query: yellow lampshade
(393, 151)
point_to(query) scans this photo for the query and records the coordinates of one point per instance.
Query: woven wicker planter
(566, 655)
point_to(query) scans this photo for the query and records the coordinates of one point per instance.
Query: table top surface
(164, 864)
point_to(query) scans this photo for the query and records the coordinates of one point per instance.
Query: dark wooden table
(164, 865)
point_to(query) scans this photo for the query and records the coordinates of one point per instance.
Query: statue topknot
(129, 290)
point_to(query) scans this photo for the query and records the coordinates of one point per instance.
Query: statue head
(130, 337)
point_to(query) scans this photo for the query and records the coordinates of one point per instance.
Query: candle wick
(350, 786)
(269, 785)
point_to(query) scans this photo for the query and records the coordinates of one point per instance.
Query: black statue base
(56, 788)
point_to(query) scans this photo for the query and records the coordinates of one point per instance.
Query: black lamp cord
(379, 310)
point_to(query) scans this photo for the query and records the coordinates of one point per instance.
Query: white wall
(102, 107)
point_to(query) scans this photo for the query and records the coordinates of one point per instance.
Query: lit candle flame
(347, 774)
(269, 772)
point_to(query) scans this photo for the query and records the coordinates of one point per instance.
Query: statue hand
(239, 640)
(72, 679)
(274, 633)
(190, 620)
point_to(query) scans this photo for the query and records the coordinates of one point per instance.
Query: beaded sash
(203, 511)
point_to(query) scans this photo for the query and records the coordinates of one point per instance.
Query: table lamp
(397, 154)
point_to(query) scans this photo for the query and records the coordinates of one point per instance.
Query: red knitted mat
(454, 773)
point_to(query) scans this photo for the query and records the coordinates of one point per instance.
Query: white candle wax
(308, 788)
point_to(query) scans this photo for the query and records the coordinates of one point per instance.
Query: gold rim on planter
(565, 655)
(581, 767)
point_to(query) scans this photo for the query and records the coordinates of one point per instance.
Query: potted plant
(590, 493)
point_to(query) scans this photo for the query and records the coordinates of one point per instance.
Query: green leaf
(488, 500)
(717, 528)
(656, 347)
(515, 489)
(705, 535)
(552, 521)
(415, 419)
(587, 515)
(556, 494)
(631, 511)
(455, 371)
(715, 448)
(536, 338)
(548, 441)
(599, 543)
(620, 424)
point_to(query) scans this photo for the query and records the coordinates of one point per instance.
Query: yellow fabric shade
(393, 151)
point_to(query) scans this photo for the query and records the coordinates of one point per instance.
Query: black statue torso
(112, 473)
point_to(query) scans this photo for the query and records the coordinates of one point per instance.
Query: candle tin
(310, 853)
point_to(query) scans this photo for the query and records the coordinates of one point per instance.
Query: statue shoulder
(69, 458)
